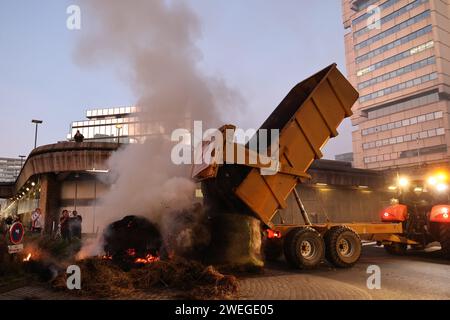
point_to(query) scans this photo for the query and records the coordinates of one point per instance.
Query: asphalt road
(419, 275)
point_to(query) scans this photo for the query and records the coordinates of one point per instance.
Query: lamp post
(119, 128)
(37, 123)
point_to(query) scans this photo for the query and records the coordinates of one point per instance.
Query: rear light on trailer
(440, 214)
(272, 234)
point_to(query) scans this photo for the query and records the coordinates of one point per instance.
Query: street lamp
(119, 127)
(37, 123)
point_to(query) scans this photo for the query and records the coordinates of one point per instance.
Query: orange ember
(148, 259)
(131, 252)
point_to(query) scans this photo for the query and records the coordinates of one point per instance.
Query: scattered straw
(189, 279)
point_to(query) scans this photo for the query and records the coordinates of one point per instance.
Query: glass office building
(398, 57)
(9, 169)
(107, 124)
(122, 124)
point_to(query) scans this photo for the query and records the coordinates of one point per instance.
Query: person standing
(36, 221)
(76, 222)
(78, 137)
(64, 222)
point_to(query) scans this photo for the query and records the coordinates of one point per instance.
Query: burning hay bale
(132, 240)
(138, 260)
(102, 278)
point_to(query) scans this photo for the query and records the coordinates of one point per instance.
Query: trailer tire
(342, 246)
(396, 248)
(444, 239)
(304, 248)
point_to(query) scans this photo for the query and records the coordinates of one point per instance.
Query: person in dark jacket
(78, 137)
(64, 222)
(76, 221)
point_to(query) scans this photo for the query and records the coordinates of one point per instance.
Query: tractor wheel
(304, 248)
(343, 246)
(396, 248)
(444, 239)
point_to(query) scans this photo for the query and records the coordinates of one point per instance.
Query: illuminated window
(395, 58)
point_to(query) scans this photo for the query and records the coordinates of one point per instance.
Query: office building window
(382, 6)
(391, 16)
(407, 153)
(395, 58)
(393, 44)
(404, 138)
(393, 30)
(405, 105)
(361, 5)
(396, 73)
(398, 87)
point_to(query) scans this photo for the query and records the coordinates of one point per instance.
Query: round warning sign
(16, 233)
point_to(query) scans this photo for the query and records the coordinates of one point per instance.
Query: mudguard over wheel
(304, 248)
(444, 239)
(396, 248)
(343, 246)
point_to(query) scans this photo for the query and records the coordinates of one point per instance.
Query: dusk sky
(262, 48)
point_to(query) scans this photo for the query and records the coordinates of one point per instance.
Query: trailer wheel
(444, 239)
(304, 248)
(343, 246)
(396, 248)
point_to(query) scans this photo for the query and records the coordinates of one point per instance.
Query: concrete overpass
(48, 167)
(63, 176)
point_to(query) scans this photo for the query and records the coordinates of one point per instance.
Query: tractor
(423, 207)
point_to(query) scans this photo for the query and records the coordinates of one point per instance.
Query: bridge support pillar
(49, 202)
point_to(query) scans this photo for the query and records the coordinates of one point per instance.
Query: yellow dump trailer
(306, 119)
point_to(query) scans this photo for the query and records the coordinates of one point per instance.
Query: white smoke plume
(152, 46)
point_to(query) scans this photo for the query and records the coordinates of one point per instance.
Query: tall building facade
(398, 58)
(9, 169)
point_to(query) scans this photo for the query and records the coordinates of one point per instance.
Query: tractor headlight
(441, 187)
(432, 181)
(403, 182)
